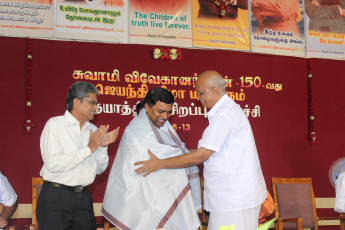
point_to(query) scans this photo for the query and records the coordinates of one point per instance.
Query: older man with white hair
(234, 184)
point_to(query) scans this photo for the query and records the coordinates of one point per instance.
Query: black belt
(78, 188)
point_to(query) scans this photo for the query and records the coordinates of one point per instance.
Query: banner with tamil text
(98, 20)
(26, 18)
(278, 27)
(122, 85)
(255, 82)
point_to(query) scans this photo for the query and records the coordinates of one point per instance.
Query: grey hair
(220, 83)
(79, 90)
(215, 79)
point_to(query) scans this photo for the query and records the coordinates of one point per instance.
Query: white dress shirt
(339, 204)
(233, 176)
(67, 159)
(7, 194)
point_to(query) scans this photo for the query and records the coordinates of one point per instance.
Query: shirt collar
(72, 121)
(215, 108)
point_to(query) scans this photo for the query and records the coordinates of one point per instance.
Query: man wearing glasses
(234, 186)
(73, 152)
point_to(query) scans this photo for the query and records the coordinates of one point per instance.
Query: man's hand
(7, 212)
(110, 137)
(315, 2)
(96, 137)
(149, 166)
(3, 222)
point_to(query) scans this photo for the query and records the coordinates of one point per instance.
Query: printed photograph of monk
(277, 15)
(326, 15)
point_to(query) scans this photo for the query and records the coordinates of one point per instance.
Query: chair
(295, 204)
(36, 189)
(203, 214)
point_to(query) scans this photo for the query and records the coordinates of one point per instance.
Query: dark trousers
(61, 209)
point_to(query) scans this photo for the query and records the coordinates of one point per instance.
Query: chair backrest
(294, 198)
(36, 189)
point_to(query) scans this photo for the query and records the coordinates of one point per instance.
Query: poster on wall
(325, 25)
(165, 22)
(277, 27)
(221, 24)
(28, 18)
(97, 20)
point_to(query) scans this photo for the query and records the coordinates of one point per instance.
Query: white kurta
(233, 176)
(339, 205)
(165, 198)
(7, 194)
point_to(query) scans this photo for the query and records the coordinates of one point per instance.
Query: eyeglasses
(93, 102)
(199, 93)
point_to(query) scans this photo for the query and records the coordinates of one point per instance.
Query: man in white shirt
(167, 199)
(234, 187)
(73, 152)
(8, 198)
(339, 204)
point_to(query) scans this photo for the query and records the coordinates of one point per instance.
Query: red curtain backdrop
(281, 129)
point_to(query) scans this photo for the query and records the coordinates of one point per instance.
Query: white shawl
(164, 199)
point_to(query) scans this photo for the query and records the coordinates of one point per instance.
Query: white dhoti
(339, 205)
(167, 198)
(245, 219)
